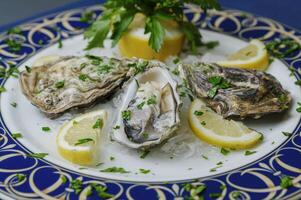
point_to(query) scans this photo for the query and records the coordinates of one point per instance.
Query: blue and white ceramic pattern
(256, 180)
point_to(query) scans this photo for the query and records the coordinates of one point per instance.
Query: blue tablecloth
(285, 11)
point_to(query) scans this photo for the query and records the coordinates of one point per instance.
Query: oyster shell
(245, 93)
(149, 113)
(58, 84)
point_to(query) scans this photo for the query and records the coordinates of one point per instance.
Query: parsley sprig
(119, 14)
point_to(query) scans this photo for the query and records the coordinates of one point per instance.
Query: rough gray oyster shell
(241, 93)
(61, 83)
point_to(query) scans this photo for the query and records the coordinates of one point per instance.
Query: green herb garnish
(16, 135)
(217, 82)
(247, 153)
(60, 43)
(144, 154)
(286, 182)
(46, 128)
(140, 105)
(287, 134)
(198, 113)
(83, 77)
(76, 185)
(20, 177)
(15, 30)
(28, 69)
(60, 84)
(203, 123)
(98, 124)
(118, 15)
(37, 155)
(112, 158)
(13, 45)
(126, 115)
(63, 178)
(115, 170)
(2, 89)
(83, 141)
(282, 48)
(13, 104)
(144, 171)
(205, 157)
(225, 151)
(299, 108)
(215, 195)
(298, 82)
(151, 100)
(101, 191)
(86, 17)
(116, 127)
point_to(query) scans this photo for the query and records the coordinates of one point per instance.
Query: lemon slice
(212, 128)
(134, 43)
(253, 56)
(77, 140)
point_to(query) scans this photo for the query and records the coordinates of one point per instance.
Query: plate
(257, 176)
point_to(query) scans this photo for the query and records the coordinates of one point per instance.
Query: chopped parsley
(176, 71)
(225, 151)
(286, 182)
(282, 48)
(46, 128)
(112, 158)
(16, 135)
(194, 190)
(20, 177)
(101, 191)
(235, 194)
(115, 170)
(203, 123)
(140, 105)
(2, 89)
(83, 141)
(86, 17)
(60, 43)
(298, 82)
(211, 44)
(144, 171)
(83, 77)
(37, 155)
(176, 60)
(28, 69)
(60, 84)
(219, 163)
(126, 115)
(13, 45)
(287, 134)
(151, 100)
(76, 185)
(247, 153)
(144, 154)
(217, 83)
(145, 135)
(299, 108)
(63, 178)
(215, 195)
(116, 127)
(205, 157)
(15, 30)
(104, 69)
(198, 113)
(40, 42)
(98, 124)
(13, 104)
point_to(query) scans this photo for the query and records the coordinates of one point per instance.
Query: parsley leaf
(157, 31)
(115, 170)
(37, 155)
(83, 141)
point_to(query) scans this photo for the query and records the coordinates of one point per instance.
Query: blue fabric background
(285, 11)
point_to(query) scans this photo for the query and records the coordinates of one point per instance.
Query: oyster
(149, 113)
(58, 84)
(236, 92)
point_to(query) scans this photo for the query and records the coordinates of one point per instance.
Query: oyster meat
(236, 92)
(57, 84)
(149, 113)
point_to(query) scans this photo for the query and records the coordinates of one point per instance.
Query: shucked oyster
(236, 92)
(149, 112)
(61, 83)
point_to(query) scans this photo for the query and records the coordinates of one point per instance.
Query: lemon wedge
(215, 130)
(77, 140)
(253, 56)
(134, 43)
